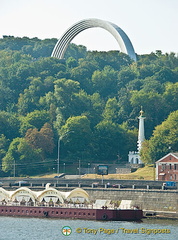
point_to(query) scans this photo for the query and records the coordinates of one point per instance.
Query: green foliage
(125, 76)
(94, 97)
(77, 135)
(9, 125)
(21, 158)
(110, 141)
(4, 144)
(105, 82)
(111, 110)
(164, 139)
(35, 119)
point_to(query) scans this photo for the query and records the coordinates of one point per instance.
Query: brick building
(167, 167)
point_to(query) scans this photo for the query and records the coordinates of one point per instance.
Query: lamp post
(64, 167)
(79, 168)
(14, 168)
(58, 151)
(153, 171)
(88, 167)
(94, 171)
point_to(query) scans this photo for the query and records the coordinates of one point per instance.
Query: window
(170, 166)
(175, 166)
(163, 166)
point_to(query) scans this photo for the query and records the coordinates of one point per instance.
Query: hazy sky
(150, 24)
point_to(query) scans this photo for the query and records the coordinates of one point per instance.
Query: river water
(14, 228)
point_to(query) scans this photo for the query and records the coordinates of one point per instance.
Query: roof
(38, 195)
(175, 154)
(172, 154)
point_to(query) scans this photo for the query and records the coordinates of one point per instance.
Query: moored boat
(53, 203)
(103, 214)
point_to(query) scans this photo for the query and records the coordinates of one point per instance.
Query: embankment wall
(157, 200)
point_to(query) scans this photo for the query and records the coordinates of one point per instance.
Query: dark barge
(73, 213)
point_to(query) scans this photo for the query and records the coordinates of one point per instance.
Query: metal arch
(120, 36)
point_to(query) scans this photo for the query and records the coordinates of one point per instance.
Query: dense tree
(111, 110)
(21, 159)
(6, 97)
(164, 139)
(71, 62)
(76, 51)
(35, 119)
(97, 106)
(48, 138)
(110, 141)
(125, 76)
(171, 96)
(105, 82)
(166, 75)
(64, 92)
(43, 139)
(83, 73)
(4, 143)
(153, 104)
(9, 125)
(77, 135)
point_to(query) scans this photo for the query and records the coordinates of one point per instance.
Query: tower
(141, 131)
(134, 156)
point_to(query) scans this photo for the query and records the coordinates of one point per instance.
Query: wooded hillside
(90, 100)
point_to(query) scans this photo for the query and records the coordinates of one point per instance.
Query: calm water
(13, 228)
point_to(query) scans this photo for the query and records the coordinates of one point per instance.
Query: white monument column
(141, 131)
(134, 157)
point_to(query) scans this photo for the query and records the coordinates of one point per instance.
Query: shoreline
(153, 214)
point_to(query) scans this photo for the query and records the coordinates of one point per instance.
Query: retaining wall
(157, 200)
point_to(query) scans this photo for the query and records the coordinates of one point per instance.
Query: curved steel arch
(120, 36)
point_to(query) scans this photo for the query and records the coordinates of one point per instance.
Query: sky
(150, 24)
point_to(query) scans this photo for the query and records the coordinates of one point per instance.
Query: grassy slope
(145, 173)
